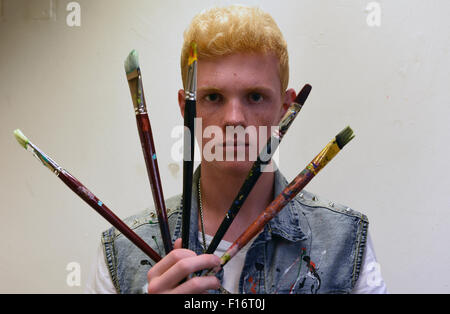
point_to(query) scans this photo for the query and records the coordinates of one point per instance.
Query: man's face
(240, 90)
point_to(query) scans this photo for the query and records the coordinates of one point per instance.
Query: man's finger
(198, 285)
(183, 268)
(168, 261)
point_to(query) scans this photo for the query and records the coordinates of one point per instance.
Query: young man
(311, 246)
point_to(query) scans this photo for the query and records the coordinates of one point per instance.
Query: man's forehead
(247, 59)
(243, 70)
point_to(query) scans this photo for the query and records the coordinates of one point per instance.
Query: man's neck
(219, 187)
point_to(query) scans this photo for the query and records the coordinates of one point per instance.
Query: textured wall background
(65, 88)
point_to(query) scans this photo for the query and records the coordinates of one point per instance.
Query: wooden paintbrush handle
(106, 213)
(148, 148)
(271, 211)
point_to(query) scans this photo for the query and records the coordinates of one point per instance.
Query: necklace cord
(200, 209)
(201, 216)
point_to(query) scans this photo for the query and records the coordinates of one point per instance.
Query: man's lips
(235, 147)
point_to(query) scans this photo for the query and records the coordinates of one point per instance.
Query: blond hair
(223, 31)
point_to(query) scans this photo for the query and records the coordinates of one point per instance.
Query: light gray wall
(65, 88)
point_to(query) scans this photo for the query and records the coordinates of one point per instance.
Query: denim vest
(311, 246)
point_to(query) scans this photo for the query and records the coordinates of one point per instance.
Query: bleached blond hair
(233, 29)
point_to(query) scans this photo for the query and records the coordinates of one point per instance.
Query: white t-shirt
(369, 281)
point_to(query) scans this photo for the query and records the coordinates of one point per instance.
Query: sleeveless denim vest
(311, 246)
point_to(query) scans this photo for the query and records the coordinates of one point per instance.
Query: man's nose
(234, 113)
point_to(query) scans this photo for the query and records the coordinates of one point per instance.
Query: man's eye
(212, 97)
(255, 97)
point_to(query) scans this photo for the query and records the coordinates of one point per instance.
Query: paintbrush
(296, 185)
(257, 168)
(87, 196)
(188, 146)
(134, 77)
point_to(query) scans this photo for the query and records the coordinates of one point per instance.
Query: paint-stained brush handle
(106, 213)
(288, 193)
(135, 84)
(148, 148)
(83, 192)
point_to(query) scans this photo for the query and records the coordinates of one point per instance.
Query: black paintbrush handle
(188, 168)
(239, 200)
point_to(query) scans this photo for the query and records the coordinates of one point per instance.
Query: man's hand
(166, 275)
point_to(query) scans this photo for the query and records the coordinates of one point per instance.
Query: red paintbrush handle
(103, 210)
(300, 181)
(276, 206)
(148, 148)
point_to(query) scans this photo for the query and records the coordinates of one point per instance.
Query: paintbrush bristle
(21, 138)
(345, 136)
(192, 53)
(132, 62)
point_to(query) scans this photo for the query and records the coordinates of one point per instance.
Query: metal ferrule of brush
(47, 161)
(289, 117)
(287, 120)
(191, 86)
(139, 104)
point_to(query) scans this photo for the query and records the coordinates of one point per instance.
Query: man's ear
(289, 97)
(181, 101)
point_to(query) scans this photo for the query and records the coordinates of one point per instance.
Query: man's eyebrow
(256, 88)
(259, 88)
(208, 89)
